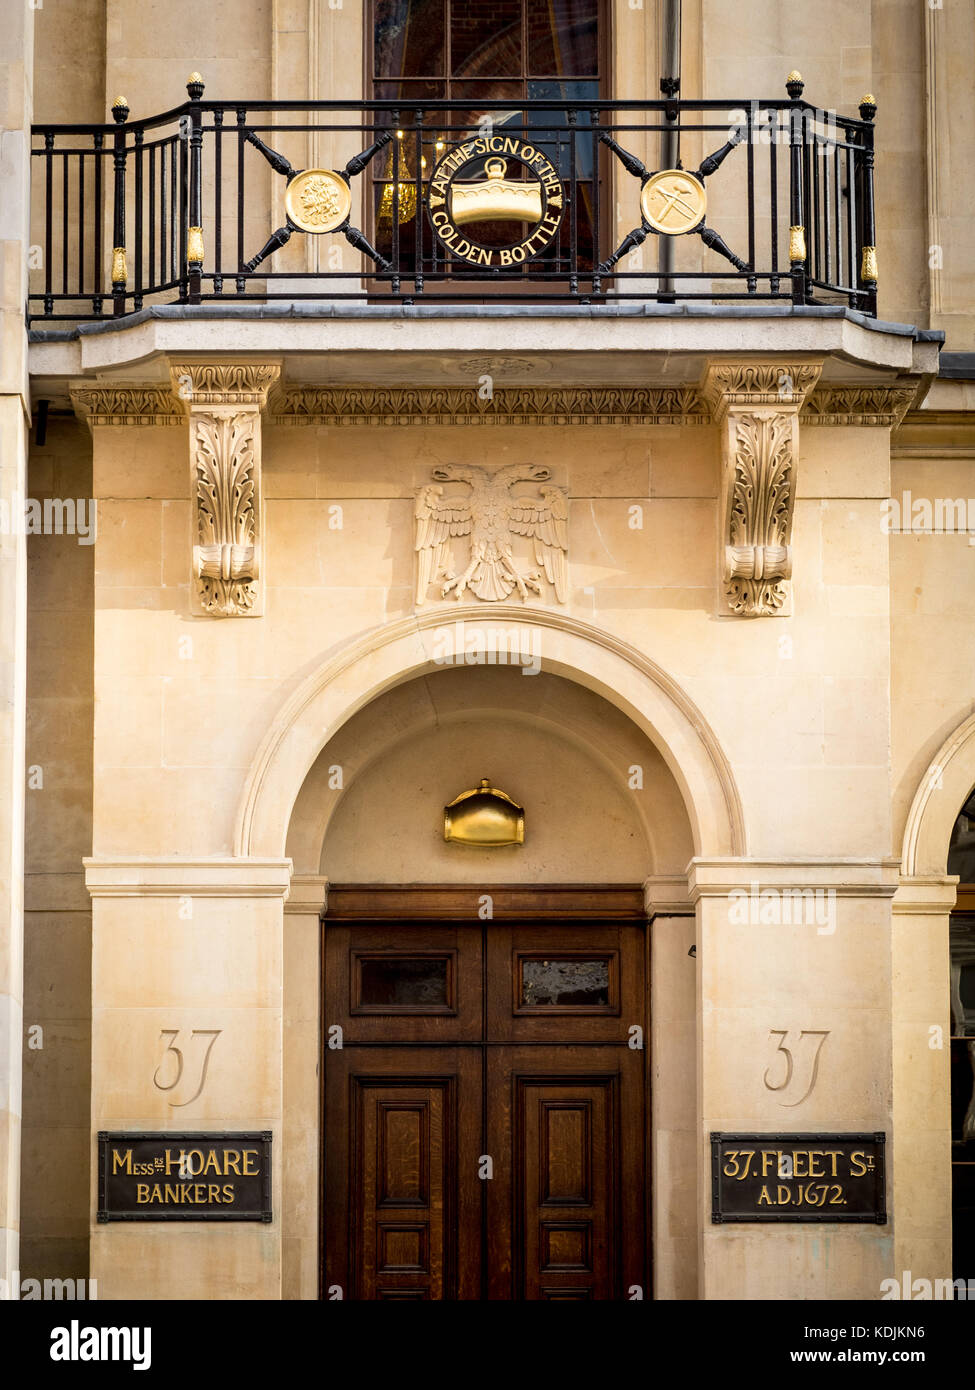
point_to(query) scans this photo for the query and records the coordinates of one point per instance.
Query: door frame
(551, 902)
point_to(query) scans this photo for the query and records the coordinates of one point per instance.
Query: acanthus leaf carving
(224, 383)
(225, 556)
(758, 556)
(756, 404)
(784, 384)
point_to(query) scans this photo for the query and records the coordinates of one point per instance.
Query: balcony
(657, 202)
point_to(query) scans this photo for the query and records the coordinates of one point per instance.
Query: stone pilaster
(16, 82)
(756, 406)
(793, 966)
(187, 1034)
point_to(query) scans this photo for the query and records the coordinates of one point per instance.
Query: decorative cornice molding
(858, 405)
(461, 405)
(127, 405)
(224, 383)
(258, 384)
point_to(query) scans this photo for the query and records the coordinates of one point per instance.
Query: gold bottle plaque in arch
(484, 816)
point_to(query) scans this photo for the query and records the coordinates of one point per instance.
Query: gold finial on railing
(868, 265)
(797, 244)
(194, 245)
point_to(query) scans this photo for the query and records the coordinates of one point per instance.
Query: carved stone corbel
(224, 401)
(756, 405)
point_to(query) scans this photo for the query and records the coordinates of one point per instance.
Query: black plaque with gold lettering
(184, 1177)
(798, 1177)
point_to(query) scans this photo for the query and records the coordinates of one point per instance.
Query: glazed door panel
(388, 983)
(500, 1041)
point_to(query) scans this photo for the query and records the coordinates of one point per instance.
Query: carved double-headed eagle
(492, 518)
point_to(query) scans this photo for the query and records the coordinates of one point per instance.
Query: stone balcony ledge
(435, 344)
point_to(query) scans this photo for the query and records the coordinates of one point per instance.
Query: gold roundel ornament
(318, 200)
(673, 202)
(480, 181)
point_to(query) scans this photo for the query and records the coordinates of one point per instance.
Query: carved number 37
(172, 1034)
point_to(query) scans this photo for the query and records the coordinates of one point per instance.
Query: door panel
(507, 1039)
(567, 1197)
(403, 1206)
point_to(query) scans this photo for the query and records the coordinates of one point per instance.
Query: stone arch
(400, 651)
(940, 795)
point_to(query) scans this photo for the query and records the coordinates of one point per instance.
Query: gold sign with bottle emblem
(536, 200)
(673, 202)
(318, 200)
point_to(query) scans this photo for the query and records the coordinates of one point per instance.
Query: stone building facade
(725, 670)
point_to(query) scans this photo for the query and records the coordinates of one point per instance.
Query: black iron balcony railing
(553, 202)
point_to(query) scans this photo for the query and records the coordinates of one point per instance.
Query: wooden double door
(485, 1116)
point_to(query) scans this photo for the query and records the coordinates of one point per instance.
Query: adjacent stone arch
(943, 790)
(575, 650)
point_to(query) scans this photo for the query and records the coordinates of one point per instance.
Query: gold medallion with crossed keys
(318, 200)
(673, 202)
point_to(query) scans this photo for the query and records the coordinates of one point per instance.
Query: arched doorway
(623, 783)
(486, 1119)
(934, 943)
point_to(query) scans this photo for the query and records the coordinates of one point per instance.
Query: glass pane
(563, 38)
(553, 126)
(565, 982)
(403, 980)
(485, 40)
(962, 968)
(407, 96)
(962, 1219)
(409, 38)
(961, 852)
(467, 120)
(963, 1097)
